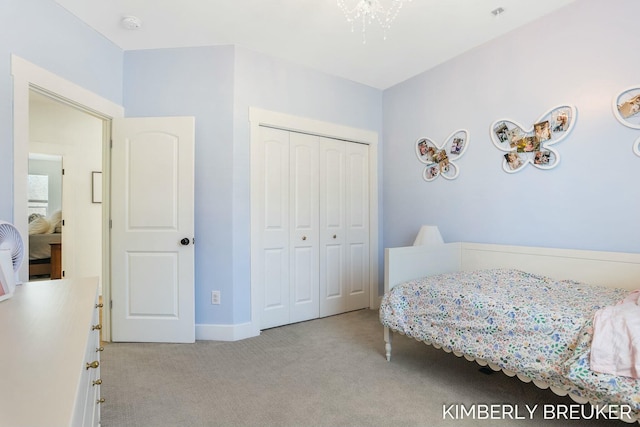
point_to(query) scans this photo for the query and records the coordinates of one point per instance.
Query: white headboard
(612, 269)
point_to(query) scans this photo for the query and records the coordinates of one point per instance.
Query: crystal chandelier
(368, 11)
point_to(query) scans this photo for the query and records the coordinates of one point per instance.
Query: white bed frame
(612, 269)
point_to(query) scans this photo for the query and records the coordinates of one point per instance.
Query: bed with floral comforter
(525, 323)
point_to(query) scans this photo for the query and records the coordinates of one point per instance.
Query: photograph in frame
(561, 122)
(514, 161)
(501, 132)
(426, 151)
(542, 157)
(457, 145)
(630, 107)
(542, 131)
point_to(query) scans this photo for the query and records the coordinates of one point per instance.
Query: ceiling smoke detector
(131, 23)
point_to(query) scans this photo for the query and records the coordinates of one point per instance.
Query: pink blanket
(615, 348)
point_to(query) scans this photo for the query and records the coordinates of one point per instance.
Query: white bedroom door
(152, 234)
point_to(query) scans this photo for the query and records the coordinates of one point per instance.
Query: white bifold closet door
(344, 226)
(314, 227)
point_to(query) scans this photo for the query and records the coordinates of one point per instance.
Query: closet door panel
(303, 169)
(274, 228)
(332, 226)
(357, 226)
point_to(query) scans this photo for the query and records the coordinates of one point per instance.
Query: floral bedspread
(522, 322)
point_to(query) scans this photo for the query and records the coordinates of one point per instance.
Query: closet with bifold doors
(313, 227)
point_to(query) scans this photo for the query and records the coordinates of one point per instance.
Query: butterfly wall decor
(533, 145)
(440, 159)
(626, 108)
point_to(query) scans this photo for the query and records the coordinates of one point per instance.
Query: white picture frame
(96, 187)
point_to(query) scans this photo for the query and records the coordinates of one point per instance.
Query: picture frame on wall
(533, 144)
(440, 159)
(96, 187)
(626, 109)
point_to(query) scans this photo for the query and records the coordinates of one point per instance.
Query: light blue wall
(582, 54)
(45, 34)
(196, 82)
(217, 85)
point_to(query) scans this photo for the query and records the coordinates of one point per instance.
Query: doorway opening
(27, 79)
(65, 220)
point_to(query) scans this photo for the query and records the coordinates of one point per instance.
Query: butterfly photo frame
(626, 109)
(534, 144)
(441, 160)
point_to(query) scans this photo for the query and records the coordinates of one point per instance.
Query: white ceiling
(314, 33)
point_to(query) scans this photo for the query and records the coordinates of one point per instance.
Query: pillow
(55, 222)
(39, 225)
(48, 225)
(34, 216)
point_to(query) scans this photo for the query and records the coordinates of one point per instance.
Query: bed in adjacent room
(526, 311)
(45, 245)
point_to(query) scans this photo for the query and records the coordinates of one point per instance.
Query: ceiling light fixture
(131, 23)
(497, 12)
(368, 11)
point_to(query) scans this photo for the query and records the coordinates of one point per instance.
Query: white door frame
(259, 117)
(27, 76)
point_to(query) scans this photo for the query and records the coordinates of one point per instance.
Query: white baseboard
(205, 332)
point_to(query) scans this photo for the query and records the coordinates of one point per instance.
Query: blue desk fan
(11, 255)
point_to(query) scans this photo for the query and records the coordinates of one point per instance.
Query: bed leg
(388, 337)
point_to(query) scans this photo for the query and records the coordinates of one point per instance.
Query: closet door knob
(304, 237)
(335, 236)
(184, 242)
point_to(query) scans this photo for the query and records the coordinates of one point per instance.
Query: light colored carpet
(325, 372)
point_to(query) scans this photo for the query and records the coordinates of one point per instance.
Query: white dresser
(50, 355)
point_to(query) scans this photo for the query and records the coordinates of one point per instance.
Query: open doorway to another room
(65, 220)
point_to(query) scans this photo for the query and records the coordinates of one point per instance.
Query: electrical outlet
(215, 297)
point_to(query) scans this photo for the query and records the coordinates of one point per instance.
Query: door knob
(184, 241)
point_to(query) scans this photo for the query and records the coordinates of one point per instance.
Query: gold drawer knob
(99, 349)
(98, 326)
(101, 400)
(93, 364)
(97, 382)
